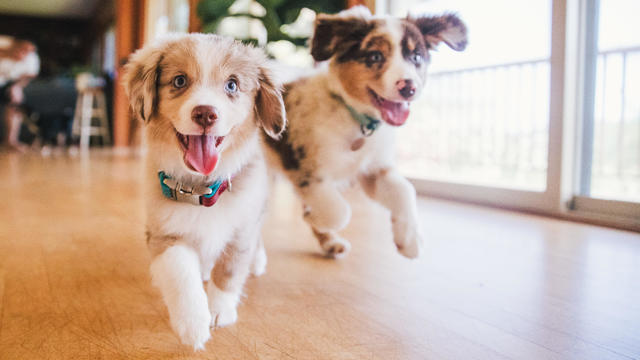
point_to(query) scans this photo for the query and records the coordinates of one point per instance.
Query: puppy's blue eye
(375, 57)
(231, 86)
(416, 58)
(179, 81)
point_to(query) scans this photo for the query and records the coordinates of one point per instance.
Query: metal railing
(489, 125)
(616, 136)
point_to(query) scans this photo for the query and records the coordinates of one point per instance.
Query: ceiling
(49, 8)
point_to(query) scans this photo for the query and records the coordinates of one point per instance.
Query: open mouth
(200, 151)
(394, 113)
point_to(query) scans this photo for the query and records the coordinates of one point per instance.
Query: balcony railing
(616, 136)
(489, 125)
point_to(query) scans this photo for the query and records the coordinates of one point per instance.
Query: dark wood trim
(195, 25)
(129, 37)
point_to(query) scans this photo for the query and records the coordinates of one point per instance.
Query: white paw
(192, 326)
(176, 274)
(336, 247)
(259, 265)
(223, 306)
(408, 240)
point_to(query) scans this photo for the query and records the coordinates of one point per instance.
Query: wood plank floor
(74, 280)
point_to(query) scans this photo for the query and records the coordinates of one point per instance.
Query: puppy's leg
(333, 245)
(397, 194)
(325, 208)
(259, 264)
(176, 272)
(327, 212)
(229, 275)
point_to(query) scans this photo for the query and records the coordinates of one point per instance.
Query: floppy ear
(447, 28)
(269, 106)
(337, 33)
(140, 79)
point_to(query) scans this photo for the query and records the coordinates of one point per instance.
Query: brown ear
(269, 106)
(337, 33)
(140, 80)
(447, 28)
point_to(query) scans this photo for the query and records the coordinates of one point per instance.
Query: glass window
(615, 140)
(165, 16)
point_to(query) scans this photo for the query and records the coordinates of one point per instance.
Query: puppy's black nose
(406, 88)
(204, 115)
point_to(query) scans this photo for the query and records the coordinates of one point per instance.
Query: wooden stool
(90, 118)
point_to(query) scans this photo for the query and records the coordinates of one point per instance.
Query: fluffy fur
(190, 244)
(372, 61)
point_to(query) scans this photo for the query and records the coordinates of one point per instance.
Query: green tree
(278, 13)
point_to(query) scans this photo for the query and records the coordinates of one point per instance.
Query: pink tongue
(394, 113)
(201, 153)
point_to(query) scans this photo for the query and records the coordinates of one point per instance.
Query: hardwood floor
(74, 280)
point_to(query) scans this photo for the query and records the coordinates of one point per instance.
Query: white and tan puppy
(203, 99)
(341, 121)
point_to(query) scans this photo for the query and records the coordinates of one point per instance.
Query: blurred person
(19, 64)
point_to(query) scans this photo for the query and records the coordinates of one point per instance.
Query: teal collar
(197, 195)
(368, 124)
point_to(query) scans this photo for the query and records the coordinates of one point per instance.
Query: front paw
(336, 247)
(223, 306)
(192, 326)
(259, 264)
(408, 239)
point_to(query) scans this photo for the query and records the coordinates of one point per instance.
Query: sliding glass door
(609, 152)
(611, 143)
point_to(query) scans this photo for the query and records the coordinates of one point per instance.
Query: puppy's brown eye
(179, 81)
(231, 86)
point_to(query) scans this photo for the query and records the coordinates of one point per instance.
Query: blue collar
(197, 195)
(368, 124)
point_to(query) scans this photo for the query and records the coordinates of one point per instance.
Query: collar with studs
(368, 124)
(194, 194)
